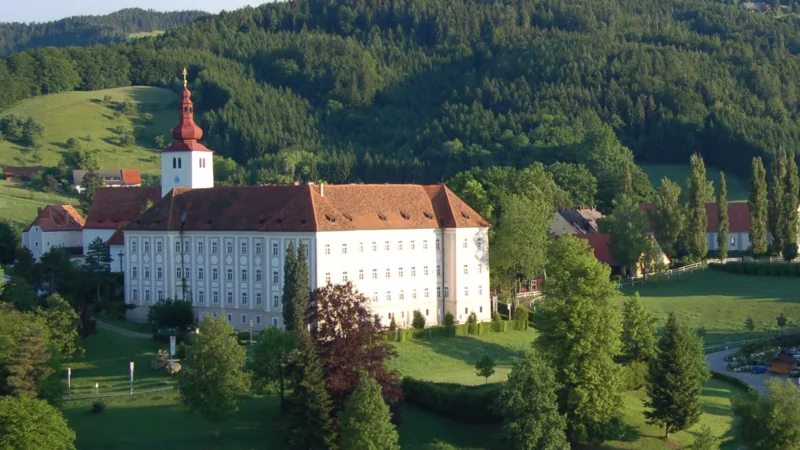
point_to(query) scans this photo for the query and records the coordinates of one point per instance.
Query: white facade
(240, 274)
(39, 242)
(186, 169)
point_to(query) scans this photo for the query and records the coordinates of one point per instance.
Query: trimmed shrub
(521, 317)
(634, 375)
(180, 351)
(98, 407)
(243, 336)
(465, 404)
(419, 320)
(449, 320)
(785, 269)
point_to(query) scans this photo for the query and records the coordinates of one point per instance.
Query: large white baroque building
(406, 247)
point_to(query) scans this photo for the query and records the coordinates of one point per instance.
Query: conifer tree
(791, 185)
(638, 330)
(699, 193)
(366, 422)
(723, 221)
(28, 363)
(529, 406)
(301, 292)
(675, 378)
(758, 208)
(668, 216)
(289, 284)
(775, 193)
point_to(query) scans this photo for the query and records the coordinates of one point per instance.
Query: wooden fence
(664, 275)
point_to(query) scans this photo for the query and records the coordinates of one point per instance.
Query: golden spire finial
(185, 81)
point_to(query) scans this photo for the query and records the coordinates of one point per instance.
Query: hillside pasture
(738, 188)
(19, 205)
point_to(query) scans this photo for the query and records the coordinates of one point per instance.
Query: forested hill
(89, 30)
(418, 90)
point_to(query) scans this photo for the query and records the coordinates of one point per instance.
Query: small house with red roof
(54, 226)
(19, 173)
(783, 364)
(601, 246)
(109, 178)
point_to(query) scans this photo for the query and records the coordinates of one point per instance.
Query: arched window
(174, 163)
(179, 163)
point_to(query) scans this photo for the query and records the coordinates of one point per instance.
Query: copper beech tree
(348, 341)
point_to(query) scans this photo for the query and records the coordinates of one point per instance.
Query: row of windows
(387, 246)
(401, 295)
(427, 313)
(388, 273)
(185, 248)
(185, 272)
(256, 321)
(201, 299)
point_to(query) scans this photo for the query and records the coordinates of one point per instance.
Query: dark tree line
(419, 91)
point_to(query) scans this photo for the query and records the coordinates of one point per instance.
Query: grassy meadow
(144, 34)
(738, 188)
(82, 115)
(19, 205)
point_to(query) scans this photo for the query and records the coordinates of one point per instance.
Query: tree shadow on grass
(469, 349)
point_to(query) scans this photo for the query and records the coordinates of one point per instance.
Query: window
(177, 246)
(400, 272)
(438, 292)
(388, 273)
(243, 248)
(186, 247)
(390, 315)
(480, 268)
(466, 269)
(275, 277)
(215, 314)
(327, 278)
(480, 243)
(135, 295)
(388, 296)
(146, 272)
(134, 272)
(187, 273)
(274, 321)
(425, 271)
(466, 291)
(229, 276)
(229, 318)
(230, 298)
(386, 246)
(200, 247)
(344, 249)
(374, 274)
(426, 293)
(200, 273)
(159, 273)
(159, 247)
(174, 163)
(178, 273)
(258, 298)
(147, 295)
(214, 248)
(258, 274)
(361, 247)
(438, 270)
(134, 247)
(412, 245)
(275, 249)
(258, 320)
(244, 298)
(446, 292)
(414, 294)
(399, 245)
(733, 240)
(402, 314)
(402, 295)
(374, 246)
(229, 247)
(480, 309)
(214, 274)
(275, 301)
(425, 245)
(464, 244)
(244, 274)
(258, 248)
(480, 290)
(327, 249)
(437, 243)
(374, 296)
(160, 295)
(413, 271)
(146, 246)
(201, 297)
(215, 297)
(344, 277)
(466, 310)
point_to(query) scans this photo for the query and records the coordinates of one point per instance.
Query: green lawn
(738, 189)
(139, 327)
(81, 115)
(721, 302)
(19, 205)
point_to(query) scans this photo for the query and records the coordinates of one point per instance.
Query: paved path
(716, 362)
(128, 333)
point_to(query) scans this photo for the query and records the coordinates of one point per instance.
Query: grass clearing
(19, 204)
(144, 34)
(738, 189)
(81, 115)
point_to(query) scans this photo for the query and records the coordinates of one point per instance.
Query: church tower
(186, 163)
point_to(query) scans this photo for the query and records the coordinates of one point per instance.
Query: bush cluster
(465, 329)
(634, 376)
(465, 404)
(759, 268)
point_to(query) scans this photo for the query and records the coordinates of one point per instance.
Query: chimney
(322, 189)
(39, 211)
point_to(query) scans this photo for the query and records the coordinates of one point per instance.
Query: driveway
(716, 362)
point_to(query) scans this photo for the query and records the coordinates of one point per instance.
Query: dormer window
(382, 217)
(405, 215)
(428, 215)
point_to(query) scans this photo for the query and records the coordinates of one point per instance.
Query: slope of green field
(19, 205)
(81, 115)
(738, 189)
(143, 34)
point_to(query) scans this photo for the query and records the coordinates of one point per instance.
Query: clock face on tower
(177, 180)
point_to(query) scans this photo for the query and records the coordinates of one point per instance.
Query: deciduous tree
(9, 242)
(723, 221)
(271, 357)
(485, 367)
(675, 379)
(706, 440)
(529, 406)
(28, 362)
(771, 420)
(580, 347)
(668, 216)
(214, 379)
(366, 423)
(626, 226)
(32, 424)
(758, 208)
(638, 330)
(89, 186)
(62, 325)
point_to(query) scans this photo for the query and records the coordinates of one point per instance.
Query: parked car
(758, 369)
(795, 373)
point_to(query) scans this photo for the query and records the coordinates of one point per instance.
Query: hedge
(465, 404)
(778, 269)
(464, 329)
(734, 381)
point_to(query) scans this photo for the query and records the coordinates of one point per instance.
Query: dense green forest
(420, 90)
(89, 30)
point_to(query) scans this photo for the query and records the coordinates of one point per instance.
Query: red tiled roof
(131, 176)
(12, 170)
(114, 207)
(599, 244)
(306, 208)
(118, 238)
(58, 218)
(738, 215)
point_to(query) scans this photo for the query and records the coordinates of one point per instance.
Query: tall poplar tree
(699, 192)
(580, 347)
(675, 379)
(758, 208)
(791, 185)
(289, 286)
(668, 216)
(775, 193)
(301, 292)
(723, 221)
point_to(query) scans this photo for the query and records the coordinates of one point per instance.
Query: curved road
(717, 363)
